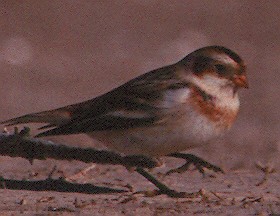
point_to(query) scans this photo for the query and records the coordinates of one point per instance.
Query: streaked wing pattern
(136, 103)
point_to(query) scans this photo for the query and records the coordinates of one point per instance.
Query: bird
(160, 113)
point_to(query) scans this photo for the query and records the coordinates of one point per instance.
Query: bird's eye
(221, 69)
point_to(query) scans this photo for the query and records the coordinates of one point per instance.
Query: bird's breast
(219, 111)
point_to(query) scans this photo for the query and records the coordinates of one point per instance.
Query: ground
(237, 192)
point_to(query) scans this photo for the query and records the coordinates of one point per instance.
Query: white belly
(174, 135)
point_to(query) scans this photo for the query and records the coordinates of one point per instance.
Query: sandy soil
(243, 192)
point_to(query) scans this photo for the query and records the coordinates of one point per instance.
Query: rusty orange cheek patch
(205, 105)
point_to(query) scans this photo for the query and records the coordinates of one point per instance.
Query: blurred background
(55, 53)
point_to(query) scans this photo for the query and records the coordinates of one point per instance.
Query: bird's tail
(52, 117)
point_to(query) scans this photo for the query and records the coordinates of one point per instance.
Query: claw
(199, 163)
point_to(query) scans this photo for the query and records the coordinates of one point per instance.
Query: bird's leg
(199, 163)
(163, 189)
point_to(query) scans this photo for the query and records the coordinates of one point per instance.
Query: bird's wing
(140, 102)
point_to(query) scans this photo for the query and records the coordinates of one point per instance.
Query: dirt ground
(55, 53)
(243, 192)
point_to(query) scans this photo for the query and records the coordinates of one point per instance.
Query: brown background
(54, 53)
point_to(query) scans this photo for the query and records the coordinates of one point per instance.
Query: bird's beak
(241, 81)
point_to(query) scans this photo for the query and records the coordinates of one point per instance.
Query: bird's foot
(199, 163)
(162, 188)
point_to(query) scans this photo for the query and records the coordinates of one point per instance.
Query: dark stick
(152, 179)
(19, 145)
(163, 189)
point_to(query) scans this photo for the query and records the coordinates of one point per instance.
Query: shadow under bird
(160, 113)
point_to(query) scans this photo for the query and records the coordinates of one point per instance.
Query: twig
(20, 145)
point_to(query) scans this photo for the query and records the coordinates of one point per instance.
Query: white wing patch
(172, 98)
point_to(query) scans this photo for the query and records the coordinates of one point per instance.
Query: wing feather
(137, 103)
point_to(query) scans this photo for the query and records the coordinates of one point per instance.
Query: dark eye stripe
(221, 69)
